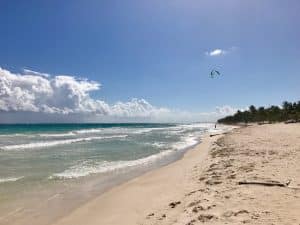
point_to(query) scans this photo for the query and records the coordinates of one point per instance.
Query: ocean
(67, 164)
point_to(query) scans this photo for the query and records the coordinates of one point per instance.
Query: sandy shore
(203, 187)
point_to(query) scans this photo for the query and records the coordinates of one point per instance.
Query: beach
(203, 186)
(49, 170)
(149, 112)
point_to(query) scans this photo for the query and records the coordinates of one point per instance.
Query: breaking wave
(10, 179)
(58, 142)
(86, 168)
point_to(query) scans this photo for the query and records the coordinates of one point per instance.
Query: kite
(214, 73)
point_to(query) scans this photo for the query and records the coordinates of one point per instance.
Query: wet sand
(203, 187)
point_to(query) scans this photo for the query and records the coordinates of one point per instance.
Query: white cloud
(225, 110)
(32, 72)
(219, 52)
(35, 92)
(219, 112)
(216, 52)
(34, 96)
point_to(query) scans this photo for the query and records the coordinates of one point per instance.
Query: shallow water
(46, 164)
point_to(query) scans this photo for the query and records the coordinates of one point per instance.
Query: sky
(140, 60)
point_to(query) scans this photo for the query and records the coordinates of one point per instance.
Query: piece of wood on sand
(266, 183)
(269, 184)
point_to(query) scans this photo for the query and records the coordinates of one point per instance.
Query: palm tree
(289, 110)
(261, 114)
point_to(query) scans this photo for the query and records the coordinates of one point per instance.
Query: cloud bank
(34, 96)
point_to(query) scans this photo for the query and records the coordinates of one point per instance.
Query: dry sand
(203, 186)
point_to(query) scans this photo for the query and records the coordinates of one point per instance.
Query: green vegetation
(290, 111)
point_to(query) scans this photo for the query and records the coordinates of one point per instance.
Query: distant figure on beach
(215, 126)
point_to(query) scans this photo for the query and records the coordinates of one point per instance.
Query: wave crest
(10, 179)
(54, 143)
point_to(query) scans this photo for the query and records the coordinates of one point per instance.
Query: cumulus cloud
(219, 112)
(187, 116)
(225, 110)
(39, 97)
(32, 72)
(39, 92)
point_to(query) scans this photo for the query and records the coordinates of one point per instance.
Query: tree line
(289, 111)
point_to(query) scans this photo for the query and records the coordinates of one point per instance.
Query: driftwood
(212, 135)
(265, 183)
(269, 184)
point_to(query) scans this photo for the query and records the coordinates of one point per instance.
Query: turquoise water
(36, 158)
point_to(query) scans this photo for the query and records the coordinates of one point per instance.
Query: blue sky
(159, 50)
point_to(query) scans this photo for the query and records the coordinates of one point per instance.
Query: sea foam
(10, 179)
(58, 142)
(86, 169)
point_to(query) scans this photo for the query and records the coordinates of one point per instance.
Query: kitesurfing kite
(214, 73)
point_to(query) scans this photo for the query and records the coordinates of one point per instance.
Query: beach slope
(247, 176)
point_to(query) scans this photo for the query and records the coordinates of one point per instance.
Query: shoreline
(111, 206)
(204, 186)
(54, 204)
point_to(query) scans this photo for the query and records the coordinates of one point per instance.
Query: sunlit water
(47, 164)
